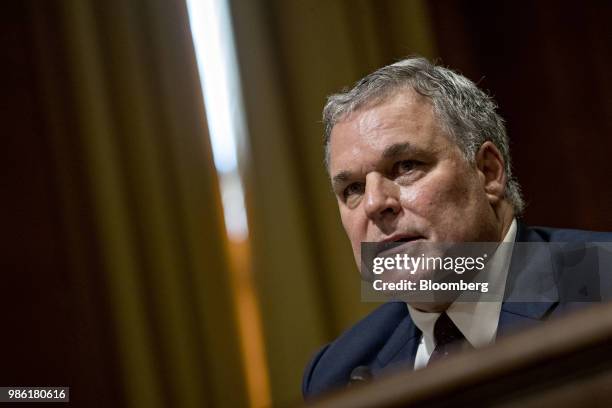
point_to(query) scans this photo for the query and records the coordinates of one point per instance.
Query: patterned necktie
(447, 336)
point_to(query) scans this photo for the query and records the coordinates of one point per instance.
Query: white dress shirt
(477, 321)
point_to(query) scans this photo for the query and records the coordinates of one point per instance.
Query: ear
(491, 167)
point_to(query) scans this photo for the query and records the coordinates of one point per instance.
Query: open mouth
(402, 239)
(389, 245)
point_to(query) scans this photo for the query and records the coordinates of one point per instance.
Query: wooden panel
(558, 361)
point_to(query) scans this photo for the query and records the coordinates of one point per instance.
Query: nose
(381, 197)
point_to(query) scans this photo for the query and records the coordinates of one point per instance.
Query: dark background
(548, 66)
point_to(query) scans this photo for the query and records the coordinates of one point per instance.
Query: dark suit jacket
(387, 338)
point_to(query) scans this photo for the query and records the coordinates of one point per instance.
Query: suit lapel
(401, 347)
(518, 315)
(533, 267)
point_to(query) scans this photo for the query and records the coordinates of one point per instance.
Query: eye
(403, 167)
(353, 189)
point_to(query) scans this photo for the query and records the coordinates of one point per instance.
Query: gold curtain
(291, 55)
(129, 141)
(129, 138)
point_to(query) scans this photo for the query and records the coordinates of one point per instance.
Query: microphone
(359, 375)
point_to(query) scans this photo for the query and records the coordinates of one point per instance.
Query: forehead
(406, 117)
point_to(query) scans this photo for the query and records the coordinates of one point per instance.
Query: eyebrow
(340, 178)
(390, 152)
(397, 149)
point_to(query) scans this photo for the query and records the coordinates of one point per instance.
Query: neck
(504, 214)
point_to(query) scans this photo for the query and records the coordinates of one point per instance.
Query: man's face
(398, 176)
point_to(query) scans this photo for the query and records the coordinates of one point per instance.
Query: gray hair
(465, 112)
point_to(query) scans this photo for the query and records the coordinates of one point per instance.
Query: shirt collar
(477, 321)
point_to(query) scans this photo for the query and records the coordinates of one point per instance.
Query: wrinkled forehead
(383, 96)
(404, 118)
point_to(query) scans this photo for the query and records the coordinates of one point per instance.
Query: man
(417, 153)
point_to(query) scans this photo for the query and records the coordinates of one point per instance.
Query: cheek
(438, 199)
(352, 224)
(422, 203)
(415, 198)
(355, 233)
